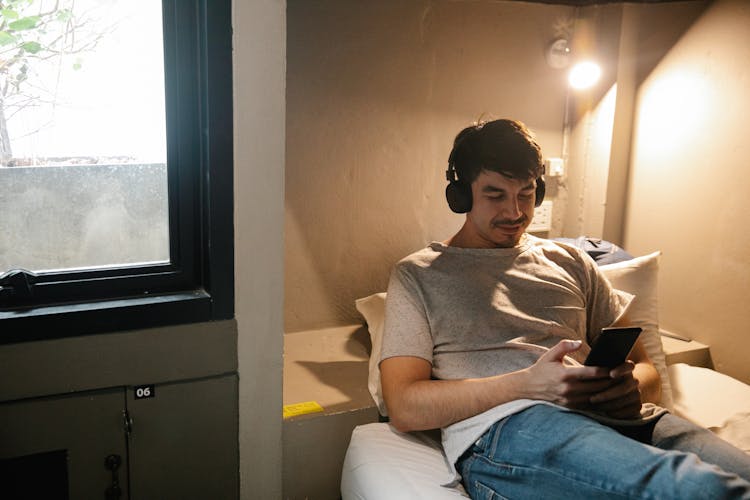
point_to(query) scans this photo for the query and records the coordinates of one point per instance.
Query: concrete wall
(689, 173)
(83, 215)
(628, 41)
(376, 92)
(589, 122)
(259, 75)
(657, 160)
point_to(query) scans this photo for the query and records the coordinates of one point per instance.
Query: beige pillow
(372, 308)
(639, 277)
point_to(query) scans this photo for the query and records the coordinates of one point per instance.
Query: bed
(382, 463)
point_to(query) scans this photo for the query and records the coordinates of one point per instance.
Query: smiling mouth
(510, 226)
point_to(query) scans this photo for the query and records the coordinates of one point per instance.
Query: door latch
(112, 463)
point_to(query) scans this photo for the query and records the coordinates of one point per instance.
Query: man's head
(503, 146)
(495, 173)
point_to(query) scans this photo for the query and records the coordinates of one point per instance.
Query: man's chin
(509, 233)
(504, 239)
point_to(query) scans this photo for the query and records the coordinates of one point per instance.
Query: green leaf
(32, 47)
(25, 23)
(6, 38)
(64, 15)
(9, 14)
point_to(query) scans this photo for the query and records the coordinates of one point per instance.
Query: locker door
(48, 444)
(183, 442)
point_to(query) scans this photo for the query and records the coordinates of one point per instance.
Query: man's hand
(550, 379)
(634, 382)
(623, 398)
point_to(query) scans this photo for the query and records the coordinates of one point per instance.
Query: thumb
(562, 348)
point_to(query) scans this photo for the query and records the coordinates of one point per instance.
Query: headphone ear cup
(541, 189)
(458, 195)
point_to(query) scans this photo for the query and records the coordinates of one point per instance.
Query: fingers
(570, 386)
(623, 370)
(565, 347)
(560, 350)
(586, 374)
(617, 391)
(621, 400)
(580, 392)
(627, 407)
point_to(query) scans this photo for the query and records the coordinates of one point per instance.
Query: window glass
(83, 175)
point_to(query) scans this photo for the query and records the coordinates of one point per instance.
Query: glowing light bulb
(584, 75)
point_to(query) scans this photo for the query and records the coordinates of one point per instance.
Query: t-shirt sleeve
(605, 303)
(406, 331)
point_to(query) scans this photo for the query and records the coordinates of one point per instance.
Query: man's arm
(649, 381)
(416, 402)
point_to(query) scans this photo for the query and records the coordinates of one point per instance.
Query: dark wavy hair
(504, 146)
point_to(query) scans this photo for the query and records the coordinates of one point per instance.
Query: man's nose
(511, 209)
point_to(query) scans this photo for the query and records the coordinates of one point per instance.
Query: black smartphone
(613, 346)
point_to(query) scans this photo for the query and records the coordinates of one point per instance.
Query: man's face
(501, 211)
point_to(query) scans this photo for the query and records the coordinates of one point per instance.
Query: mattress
(384, 464)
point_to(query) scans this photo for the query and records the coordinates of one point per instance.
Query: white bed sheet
(713, 400)
(384, 464)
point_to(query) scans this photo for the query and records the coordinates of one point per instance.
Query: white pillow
(639, 277)
(373, 310)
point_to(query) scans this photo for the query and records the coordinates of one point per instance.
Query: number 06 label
(144, 391)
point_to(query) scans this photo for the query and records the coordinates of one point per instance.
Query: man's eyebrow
(494, 189)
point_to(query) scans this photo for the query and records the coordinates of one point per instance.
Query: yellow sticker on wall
(297, 409)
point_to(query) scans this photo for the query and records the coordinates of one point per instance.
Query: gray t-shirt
(480, 312)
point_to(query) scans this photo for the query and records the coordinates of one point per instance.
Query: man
(484, 338)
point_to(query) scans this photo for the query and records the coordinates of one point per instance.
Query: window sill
(58, 321)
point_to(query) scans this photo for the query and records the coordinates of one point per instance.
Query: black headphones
(458, 192)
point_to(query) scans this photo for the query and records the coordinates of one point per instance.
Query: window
(174, 264)
(84, 165)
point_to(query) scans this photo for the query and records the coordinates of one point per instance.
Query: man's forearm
(416, 402)
(431, 404)
(649, 382)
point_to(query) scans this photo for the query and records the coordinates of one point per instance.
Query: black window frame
(198, 283)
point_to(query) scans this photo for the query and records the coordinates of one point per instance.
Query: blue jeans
(547, 452)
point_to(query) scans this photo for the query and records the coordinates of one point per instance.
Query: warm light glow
(675, 109)
(584, 75)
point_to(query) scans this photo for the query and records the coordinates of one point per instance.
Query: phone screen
(613, 346)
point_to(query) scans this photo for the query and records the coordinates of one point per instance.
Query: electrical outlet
(542, 220)
(554, 167)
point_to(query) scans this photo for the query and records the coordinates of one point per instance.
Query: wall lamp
(583, 75)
